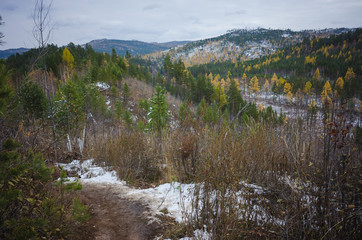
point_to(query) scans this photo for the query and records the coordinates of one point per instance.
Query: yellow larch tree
(308, 88)
(326, 93)
(349, 75)
(288, 91)
(68, 58)
(219, 95)
(254, 85)
(316, 75)
(339, 86)
(260, 107)
(274, 79)
(68, 61)
(280, 82)
(237, 83)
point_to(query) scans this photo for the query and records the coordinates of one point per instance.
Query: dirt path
(114, 217)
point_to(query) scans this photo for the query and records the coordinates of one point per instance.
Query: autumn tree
(68, 58)
(68, 61)
(316, 75)
(254, 85)
(349, 75)
(339, 86)
(326, 93)
(308, 88)
(288, 91)
(219, 96)
(274, 79)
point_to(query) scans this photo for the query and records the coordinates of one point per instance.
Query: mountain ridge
(134, 47)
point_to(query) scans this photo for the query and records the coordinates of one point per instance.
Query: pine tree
(158, 114)
(126, 92)
(235, 101)
(167, 65)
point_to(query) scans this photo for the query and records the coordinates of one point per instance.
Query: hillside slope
(239, 45)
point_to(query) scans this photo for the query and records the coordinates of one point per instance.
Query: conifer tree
(316, 76)
(158, 114)
(254, 85)
(235, 101)
(326, 93)
(349, 75)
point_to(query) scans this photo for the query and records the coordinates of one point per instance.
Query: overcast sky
(80, 21)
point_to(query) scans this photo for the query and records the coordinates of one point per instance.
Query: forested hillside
(253, 173)
(239, 45)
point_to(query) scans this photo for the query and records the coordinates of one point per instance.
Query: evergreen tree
(235, 101)
(5, 89)
(126, 92)
(158, 114)
(167, 65)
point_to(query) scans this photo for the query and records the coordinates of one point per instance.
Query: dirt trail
(114, 217)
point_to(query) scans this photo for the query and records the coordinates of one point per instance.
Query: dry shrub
(134, 155)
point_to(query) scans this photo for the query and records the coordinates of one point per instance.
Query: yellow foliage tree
(254, 85)
(326, 93)
(237, 83)
(68, 58)
(308, 88)
(339, 86)
(339, 83)
(287, 87)
(316, 75)
(280, 82)
(260, 107)
(349, 75)
(274, 79)
(288, 91)
(219, 95)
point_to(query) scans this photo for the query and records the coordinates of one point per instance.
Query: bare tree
(42, 31)
(1, 34)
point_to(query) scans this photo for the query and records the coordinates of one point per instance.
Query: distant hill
(240, 45)
(134, 47)
(8, 52)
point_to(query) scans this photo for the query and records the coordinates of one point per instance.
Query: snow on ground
(102, 86)
(173, 199)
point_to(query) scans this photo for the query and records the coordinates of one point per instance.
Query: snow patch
(102, 86)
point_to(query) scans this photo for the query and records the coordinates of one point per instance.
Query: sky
(80, 21)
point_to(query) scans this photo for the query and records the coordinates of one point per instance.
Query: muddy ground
(114, 217)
